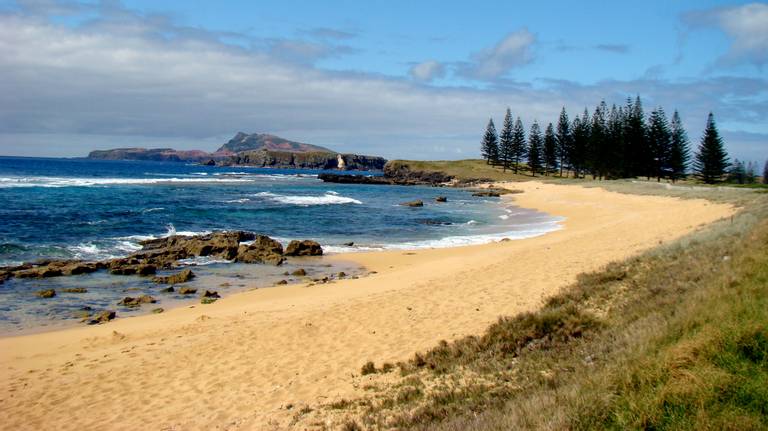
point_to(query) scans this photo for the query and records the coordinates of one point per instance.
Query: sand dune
(241, 362)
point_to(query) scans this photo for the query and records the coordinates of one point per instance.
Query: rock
(47, 293)
(304, 248)
(180, 277)
(282, 282)
(103, 317)
(341, 274)
(495, 192)
(209, 162)
(75, 290)
(168, 289)
(136, 302)
(441, 199)
(39, 272)
(348, 244)
(187, 291)
(211, 294)
(158, 310)
(263, 250)
(205, 300)
(133, 269)
(301, 272)
(416, 203)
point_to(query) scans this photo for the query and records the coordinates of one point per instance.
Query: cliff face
(305, 160)
(153, 154)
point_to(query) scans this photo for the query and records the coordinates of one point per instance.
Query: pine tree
(679, 153)
(737, 173)
(637, 154)
(659, 142)
(711, 159)
(563, 139)
(519, 148)
(535, 149)
(490, 144)
(615, 143)
(596, 154)
(765, 172)
(505, 141)
(579, 144)
(751, 173)
(550, 150)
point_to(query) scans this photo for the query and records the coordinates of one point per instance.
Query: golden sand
(239, 363)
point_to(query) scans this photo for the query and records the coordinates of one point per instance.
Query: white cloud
(745, 25)
(427, 71)
(514, 50)
(133, 81)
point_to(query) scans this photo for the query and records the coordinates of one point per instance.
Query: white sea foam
(504, 217)
(151, 210)
(238, 201)
(8, 182)
(327, 199)
(471, 222)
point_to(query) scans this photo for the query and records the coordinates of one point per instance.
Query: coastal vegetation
(615, 142)
(676, 338)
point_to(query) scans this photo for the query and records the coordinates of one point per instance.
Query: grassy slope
(463, 169)
(676, 339)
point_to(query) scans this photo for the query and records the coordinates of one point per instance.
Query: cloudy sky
(394, 78)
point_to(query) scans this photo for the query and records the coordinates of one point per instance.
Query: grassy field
(474, 169)
(676, 338)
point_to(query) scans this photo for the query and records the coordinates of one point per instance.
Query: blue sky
(395, 78)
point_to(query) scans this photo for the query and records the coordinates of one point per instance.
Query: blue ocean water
(88, 209)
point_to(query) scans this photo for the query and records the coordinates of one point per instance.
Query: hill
(264, 141)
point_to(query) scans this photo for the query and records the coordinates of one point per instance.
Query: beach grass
(464, 170)
(676, 338)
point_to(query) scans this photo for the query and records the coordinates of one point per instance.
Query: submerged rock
(179, 277)
(301, 272)
(47, 293)
(304, 248)
(441, 199)
(187, 291)
(75, 290)
(211, 294)
(416, 203)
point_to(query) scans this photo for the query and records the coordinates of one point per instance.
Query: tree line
(615, 142)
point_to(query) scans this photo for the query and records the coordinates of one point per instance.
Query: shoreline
(253, 353)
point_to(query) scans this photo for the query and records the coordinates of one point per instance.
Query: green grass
(676, 338)
(464, 170)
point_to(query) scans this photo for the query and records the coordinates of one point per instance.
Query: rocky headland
(257, 149)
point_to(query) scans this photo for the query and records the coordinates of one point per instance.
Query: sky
(400, 79)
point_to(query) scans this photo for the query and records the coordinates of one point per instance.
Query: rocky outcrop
(394, 174)
(495, 192)
(47, 293)
(263, 249)
(103, 317)
(303, 248)
(180, 277)
(150, 154)
(132, 302)
(305, 160)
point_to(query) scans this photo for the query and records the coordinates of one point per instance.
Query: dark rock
(341, 274)
(348, 244)
(158, 310)
(209, 162)
(211, 294)
(47, 293)
(441, 199)
(495, 192)
(282, 282)
(263, 249)
(136, 302)
(180, 277)
(354, 179)
(103, 317)
(75, 290)
(187, 291)
(416, 203)
(301, 272)
(168, 289)
(205, 300)
(132, 269)
(304, 248)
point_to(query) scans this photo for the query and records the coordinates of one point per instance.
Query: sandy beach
(241, 362)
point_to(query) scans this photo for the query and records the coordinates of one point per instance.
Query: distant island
(257, 149)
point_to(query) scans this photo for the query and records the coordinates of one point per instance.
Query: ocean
(91, 210)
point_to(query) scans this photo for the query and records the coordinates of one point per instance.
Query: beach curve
(249, 360)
